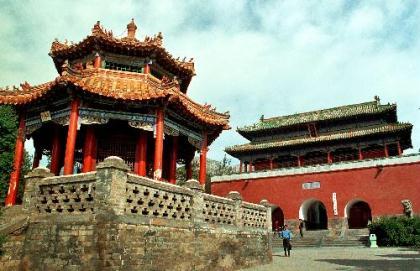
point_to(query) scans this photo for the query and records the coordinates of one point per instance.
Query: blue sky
(252, 57)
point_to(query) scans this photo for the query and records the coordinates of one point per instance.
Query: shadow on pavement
(385, 265)
(409, 256)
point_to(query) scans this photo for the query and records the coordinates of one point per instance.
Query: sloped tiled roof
(128, 86)
(280, 143)
(319, 115)
(101, 38)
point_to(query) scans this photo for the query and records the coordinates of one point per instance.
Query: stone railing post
(267, 205)
(237, 198)
(197, 201)
(111, 179)
(31, 180)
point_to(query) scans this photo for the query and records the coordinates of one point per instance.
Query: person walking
(286, 235)
(301, 226)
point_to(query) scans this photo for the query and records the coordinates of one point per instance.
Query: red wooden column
(97, 61)
(56, 151)
(271, 163)
(188, 169)
(250, 166)
(71, 137)
(37, 157)
(360, 153)
(329, 157)
(157, 163)
(89, 150)
(399, 148)
(386, 150)
(141, 154)
(172, 160)
(17, 164)
(299, 161)
(146, 68)
(203, 160)
(240, 166)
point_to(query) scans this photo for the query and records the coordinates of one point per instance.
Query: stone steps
(351, 238)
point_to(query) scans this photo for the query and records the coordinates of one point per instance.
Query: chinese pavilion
(114, 96)
(352, 132)
(336, 168)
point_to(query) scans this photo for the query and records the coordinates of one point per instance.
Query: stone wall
(113, 220)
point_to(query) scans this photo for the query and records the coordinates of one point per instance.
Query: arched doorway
(358, 214)
(277, 218)
(314, 213)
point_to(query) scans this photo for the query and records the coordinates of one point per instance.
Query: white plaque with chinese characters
(45, 116)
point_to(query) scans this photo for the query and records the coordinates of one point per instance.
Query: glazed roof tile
(280, 143)
(128, 86)
(103, 38)
(319, 115)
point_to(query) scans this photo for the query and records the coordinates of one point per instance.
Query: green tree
(214, 168)
(8, 130)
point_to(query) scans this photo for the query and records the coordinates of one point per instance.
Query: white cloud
(252, 57)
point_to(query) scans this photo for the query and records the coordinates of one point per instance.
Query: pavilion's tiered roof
(330, 114)
(118, 85)
(278, 144)
(101, 39)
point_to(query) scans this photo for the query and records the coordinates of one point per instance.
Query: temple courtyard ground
(336, 258)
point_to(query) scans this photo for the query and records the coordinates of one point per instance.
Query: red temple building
(334, 168)
(114, 96)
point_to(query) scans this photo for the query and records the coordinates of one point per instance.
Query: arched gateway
(314, 213)
(358, 214)
(277, 218)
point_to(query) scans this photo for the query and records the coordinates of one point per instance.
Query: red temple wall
(382, 188)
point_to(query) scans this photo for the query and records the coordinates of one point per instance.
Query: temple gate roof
(382, 129)
(336, 113)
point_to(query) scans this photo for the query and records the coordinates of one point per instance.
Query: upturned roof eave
(251, 130)
(32, 94)
(235, 150)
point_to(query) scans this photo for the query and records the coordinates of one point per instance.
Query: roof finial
(377, 99)
(96, 28)
(131, 29)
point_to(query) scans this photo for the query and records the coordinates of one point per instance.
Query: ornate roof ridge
(100, 34)
(118, 85)
(318, 115)
(363, 131)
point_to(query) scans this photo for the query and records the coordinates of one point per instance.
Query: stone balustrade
(113, 189)
(111, 219)
(66, 195)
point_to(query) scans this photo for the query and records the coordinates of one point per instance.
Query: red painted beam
(141, 154)
(89, 149)
(172, 162)
(203, 160)
(157, 163)
(56, 151)
(37, 158)
(97, 61)
(17, 165)
(71, 137)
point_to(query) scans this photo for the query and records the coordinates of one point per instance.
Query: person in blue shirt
(286, 235)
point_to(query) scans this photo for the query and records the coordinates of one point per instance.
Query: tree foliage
(214, 168)
(8, 131)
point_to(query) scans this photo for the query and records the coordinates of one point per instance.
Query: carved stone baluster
(237, 198)
(31, 187)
